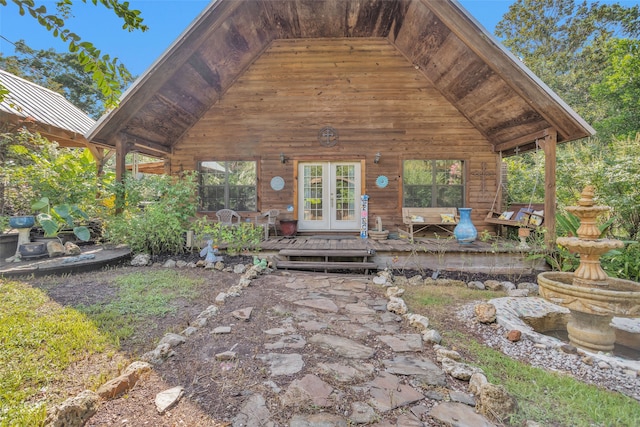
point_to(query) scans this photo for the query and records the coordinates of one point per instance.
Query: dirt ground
(214, 390)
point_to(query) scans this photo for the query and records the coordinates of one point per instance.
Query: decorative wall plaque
(382, 181)
(328, 136)
(277, 183)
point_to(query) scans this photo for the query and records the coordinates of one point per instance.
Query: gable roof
(44, 111)
(498, 94)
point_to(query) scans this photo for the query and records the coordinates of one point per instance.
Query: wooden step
(326, 266)
(327, 252)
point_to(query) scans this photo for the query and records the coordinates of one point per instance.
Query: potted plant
(55, 219)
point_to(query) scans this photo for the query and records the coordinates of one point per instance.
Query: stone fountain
(592, 297)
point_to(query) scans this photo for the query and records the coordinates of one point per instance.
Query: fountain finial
(587, 195)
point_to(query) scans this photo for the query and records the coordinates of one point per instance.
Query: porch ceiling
(489, 86)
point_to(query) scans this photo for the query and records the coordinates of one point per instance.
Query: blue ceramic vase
(465, 232)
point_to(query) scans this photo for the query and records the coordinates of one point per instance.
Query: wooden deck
(497, 257)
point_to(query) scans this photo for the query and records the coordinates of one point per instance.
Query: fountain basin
(618, 297)
(591, 308)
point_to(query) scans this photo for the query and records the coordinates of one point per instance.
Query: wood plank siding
(366, 89)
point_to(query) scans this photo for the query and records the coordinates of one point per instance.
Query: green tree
(62, 73)
(31, 167)
(106, 72)
(619, 89)
(568, 44)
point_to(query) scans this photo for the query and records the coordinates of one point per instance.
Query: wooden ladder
(326, 259)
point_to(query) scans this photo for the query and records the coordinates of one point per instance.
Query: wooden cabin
(306, 106)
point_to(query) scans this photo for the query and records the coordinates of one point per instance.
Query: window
(230, 185)
(433, 183)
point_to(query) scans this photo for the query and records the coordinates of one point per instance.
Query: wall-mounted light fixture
(283, 159)
(376, 159)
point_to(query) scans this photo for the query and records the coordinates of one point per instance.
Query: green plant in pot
(56, 218)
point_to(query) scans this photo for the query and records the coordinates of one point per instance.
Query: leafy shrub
(623, 263)
(156, 214)
(244, 236)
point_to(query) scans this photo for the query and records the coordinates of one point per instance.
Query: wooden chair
(228, 217)
(268, 219)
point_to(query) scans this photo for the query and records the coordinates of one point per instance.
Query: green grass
(141, 296)
(549, 398)
(38, 341)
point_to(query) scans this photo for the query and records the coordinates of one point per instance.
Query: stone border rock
(493, 401)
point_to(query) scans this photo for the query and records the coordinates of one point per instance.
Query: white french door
(329, 196)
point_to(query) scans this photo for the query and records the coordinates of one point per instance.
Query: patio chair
(268, 219)
(228, 217)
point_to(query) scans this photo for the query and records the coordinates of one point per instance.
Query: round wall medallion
(382, 181)
(277, 183)
(328, 136)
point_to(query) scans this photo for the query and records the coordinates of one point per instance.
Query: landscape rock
(476, 382)
(158, 355)
(141, 260)
(222, 330)
(170, 263)
(166, 399)
(380, 280)
(397, 305)
(418, 321)
(188, 331)
(442, 353)
(533, 288)
(485, 312)
(459, 370)
(431, 336)
(493, 285)
(173, 340)
(71, 248)
(514, 335)
(495, 402)
(123, 382)
(75, 411)
(475, 284)
(518, 293)
(55, 249)
(243, 314)
(394, 291)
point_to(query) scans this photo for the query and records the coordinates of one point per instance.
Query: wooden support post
(121, 154)
(549, 145)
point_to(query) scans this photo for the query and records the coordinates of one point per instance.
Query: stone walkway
(342, 318)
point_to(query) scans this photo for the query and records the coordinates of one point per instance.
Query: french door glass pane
(313, 192)
(345, 193)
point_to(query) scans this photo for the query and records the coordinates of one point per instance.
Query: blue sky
(166, 19)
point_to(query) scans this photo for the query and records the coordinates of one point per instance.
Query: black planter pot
(33, 250)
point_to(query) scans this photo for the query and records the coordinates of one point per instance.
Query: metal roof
(44, 106)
